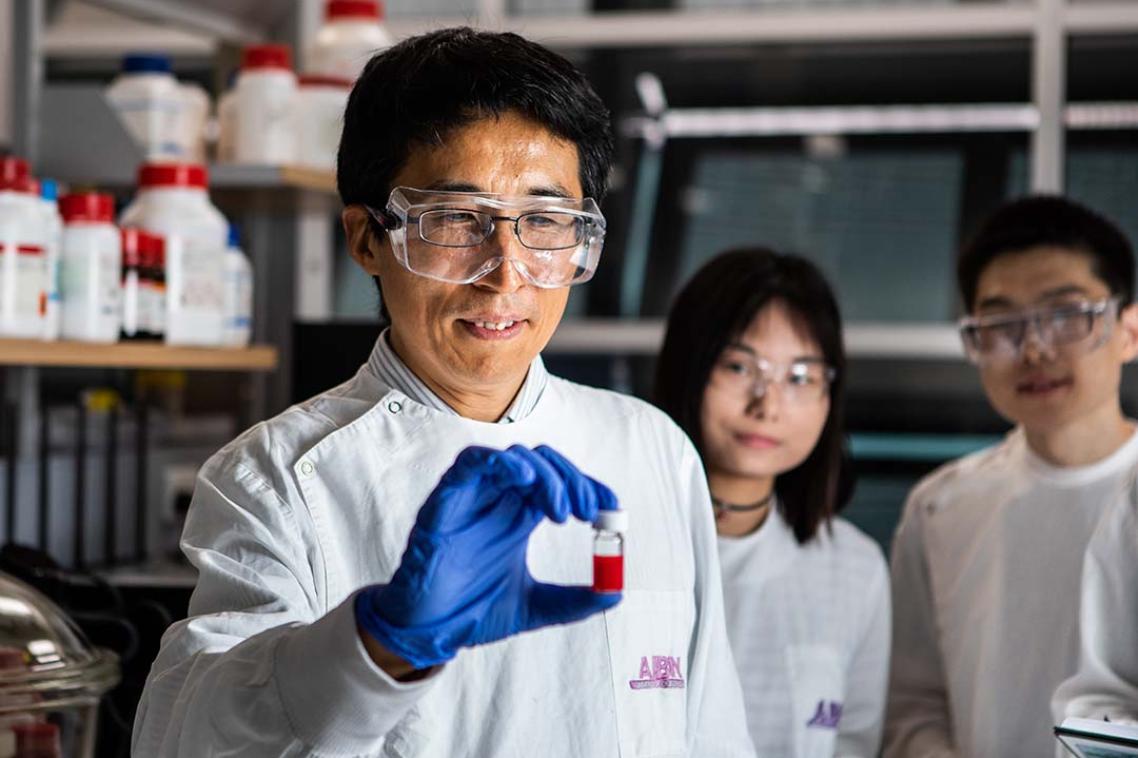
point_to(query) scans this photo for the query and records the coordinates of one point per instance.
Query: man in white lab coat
(987, 558)
(395, 567)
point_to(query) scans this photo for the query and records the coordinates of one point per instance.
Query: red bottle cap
(92, 207)
(361, 9)
(267, 56)
(13, 168)
(173, 175)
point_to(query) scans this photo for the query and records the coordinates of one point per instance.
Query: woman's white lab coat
(292, 518)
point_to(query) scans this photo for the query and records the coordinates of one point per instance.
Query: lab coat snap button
(306, 468)
(395, 406)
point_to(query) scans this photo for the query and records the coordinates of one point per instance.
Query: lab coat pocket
(818, 682)
(649, 635)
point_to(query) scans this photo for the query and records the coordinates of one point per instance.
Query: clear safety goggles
(440, 235)
(1069, 329)
(801, 382)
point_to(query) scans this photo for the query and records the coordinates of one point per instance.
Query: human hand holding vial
(608, 551)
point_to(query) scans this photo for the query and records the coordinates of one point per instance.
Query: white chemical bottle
(227, 122)
(192, 121)
(319, 118)
(173, 202)
(53, 226)
(263, 107)
(23, 253)
(238, 293)
(352, 33)
(90, 271)
(150, 102)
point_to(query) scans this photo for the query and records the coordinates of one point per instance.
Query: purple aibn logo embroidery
(827, 716)
(662, 673)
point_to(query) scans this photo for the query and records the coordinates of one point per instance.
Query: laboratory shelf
(932, 341)
(165, 574)
(236, 21)
(771, 25)
(14, 352)
(917, 448)
(230, 176)
(883, 22)
(1101, 18)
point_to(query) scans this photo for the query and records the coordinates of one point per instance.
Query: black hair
(712, 311)
(1048, 221)
(417, 91)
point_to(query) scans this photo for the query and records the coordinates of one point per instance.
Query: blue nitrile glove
(463, 580)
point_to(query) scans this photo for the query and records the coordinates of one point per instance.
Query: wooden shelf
(233, 176)
(310, 179)
(136, 355)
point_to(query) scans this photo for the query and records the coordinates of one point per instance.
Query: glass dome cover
(46, 662)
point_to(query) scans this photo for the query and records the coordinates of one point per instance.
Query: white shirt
(293, 517)
(809, 628)
(1106, 684)
(986, 572)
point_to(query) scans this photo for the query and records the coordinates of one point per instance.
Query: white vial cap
(612, 521)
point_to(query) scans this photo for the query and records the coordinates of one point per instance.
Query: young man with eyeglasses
(401, 565)
(987, 558)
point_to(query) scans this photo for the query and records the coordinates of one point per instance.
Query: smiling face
(748, 437)
(480, 338)
(1048, 389)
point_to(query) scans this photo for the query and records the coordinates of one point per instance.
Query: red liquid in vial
(608, 573)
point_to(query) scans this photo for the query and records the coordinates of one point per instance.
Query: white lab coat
(986, 581)
(289, 520)
(1106, 685)
(809, 627)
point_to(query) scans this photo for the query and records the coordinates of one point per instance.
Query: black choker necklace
(721, 507)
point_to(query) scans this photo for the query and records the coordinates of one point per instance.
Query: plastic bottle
(319, 120)
(352, 33)
(53, 222)
(154, 280)
(238, 293)
(608, 551)
(149, 100)
(192, 122)
(23, 253)
(90, 268)
(172, 201)
(227, 122)
(133, 307)
(265, 97)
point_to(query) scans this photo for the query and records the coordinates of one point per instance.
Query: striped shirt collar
(391, 370)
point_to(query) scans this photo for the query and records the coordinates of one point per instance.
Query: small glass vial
(608, 551)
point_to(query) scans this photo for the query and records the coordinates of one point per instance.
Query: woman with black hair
(753, 369)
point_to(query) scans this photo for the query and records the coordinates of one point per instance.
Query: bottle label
(27, 265)
(132, 305)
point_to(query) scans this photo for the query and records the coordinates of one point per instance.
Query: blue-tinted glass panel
(882, 225)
